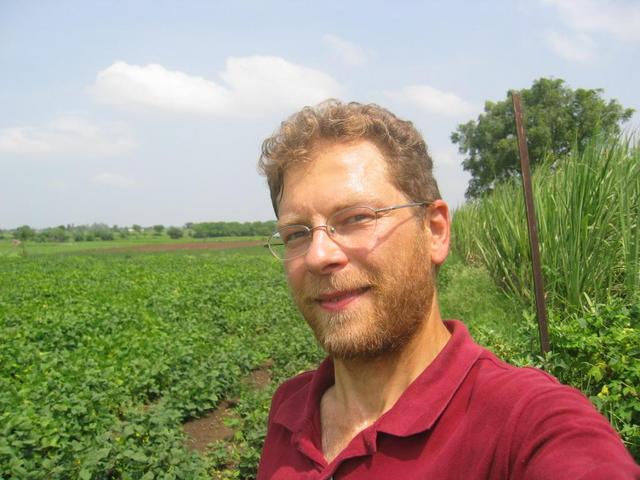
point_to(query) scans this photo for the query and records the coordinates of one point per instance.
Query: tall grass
(588, 211)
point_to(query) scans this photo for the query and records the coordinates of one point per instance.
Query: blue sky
(154, 111)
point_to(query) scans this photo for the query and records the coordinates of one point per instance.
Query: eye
(294, 234)
(354, 217)
(357, 218)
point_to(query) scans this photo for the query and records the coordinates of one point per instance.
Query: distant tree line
(230, 229)
(102, 231)
(65, 233)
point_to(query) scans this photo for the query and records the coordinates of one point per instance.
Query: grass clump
(588, 212)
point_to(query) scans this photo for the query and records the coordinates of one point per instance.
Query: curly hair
(410, 166)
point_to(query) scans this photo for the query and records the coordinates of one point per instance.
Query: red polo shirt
(467, 416)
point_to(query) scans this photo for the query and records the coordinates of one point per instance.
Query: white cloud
(113, 180)
(66, 135)
(618, 18)
(348, 53)
(252, 86)
(577, 48)
(260, 84)
(433, 100)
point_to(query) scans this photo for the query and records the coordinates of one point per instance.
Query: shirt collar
(426, 398)
(418, 407)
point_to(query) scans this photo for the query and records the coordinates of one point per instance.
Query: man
(362, 231)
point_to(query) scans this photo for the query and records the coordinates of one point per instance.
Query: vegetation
(588, 210)
(556, 118)
(101, 231)
(225, 229)
(10, 248)
(25, 232)
(175, 233)
(103, 357)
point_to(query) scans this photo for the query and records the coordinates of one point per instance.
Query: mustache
(315, 287)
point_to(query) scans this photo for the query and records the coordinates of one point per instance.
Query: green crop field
(9, 249)
(103, 357)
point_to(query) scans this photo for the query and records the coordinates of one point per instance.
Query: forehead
(337, 175)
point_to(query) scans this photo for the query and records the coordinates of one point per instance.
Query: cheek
(294, 272)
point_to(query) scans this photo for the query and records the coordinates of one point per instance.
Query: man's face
(363, 301)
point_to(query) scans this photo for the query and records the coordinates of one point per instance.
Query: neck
(368, 388)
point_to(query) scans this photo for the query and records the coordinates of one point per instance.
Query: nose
(324, 254)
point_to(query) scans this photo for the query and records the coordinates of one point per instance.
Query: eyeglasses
(351, 227)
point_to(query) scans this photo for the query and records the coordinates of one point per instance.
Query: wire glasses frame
(350, 227)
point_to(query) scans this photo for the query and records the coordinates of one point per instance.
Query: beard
(399, 301)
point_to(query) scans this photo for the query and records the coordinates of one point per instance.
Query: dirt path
(200, 432)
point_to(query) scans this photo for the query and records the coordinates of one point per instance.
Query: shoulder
(527, 395)
(512, 383)
(546, 426)
(295, 386)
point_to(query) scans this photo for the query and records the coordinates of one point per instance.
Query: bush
(175, 232)
(105, 234)
(58, 234)
(25, 232)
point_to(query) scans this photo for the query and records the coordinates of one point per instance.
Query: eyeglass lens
(351, 227)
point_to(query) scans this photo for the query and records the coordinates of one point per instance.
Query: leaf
(135, 456)
(595, 373)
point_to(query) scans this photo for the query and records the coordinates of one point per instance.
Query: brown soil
(165, 247)
(200, 432)
(260, 378)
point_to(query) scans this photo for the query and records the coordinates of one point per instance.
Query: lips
(339, 300)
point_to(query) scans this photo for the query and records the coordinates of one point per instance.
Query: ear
(439, 225)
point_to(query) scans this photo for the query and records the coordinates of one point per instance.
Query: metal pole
(531, 223)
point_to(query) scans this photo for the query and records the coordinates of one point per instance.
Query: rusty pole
(531, 223)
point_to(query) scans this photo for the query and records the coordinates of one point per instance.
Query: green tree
(57, 234)
(174, 232)
(158, 229)
(105, 234)
(25, 232)
(556, 118)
